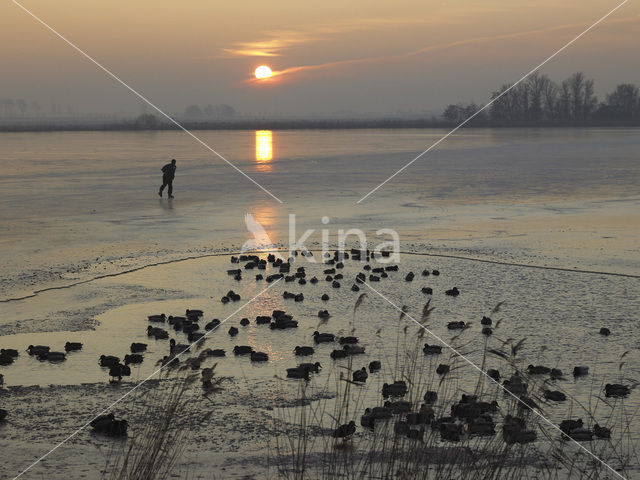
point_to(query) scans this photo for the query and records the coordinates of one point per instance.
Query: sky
(331, 58)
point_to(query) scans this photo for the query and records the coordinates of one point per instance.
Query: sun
(263, 72)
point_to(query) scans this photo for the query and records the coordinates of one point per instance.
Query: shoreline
(304, 124)
(280, 250)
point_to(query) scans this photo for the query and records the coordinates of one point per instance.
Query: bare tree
(551, 100)
(624, 100)
(576, 84)
(21, 105)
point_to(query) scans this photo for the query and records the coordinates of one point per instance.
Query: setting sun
(263, 72)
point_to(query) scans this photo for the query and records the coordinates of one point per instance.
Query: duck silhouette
(360, 375)
(345, 431)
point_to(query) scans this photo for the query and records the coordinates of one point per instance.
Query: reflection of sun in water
(264, 149)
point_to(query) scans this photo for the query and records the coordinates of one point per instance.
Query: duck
(493, 373)
(374, 366)
(233, 296)
(426, 273)
(108, 360)
(111, 427)
(1, 379)
(303, 351)
(263, 320)
(216, 352)
(345, 340)
(435, 272)
(360, 375)
(313, 280)
(11, 352)
(323, 337)
(282, 323)
(118, 370)
(580, 371)
(192, 327)
(3, 414)
(157, 333)
(177, 348)
(37, 349)
(244, 322)
(601, 432)
(324, 297)
(538, 370)
(194, 337)
(53, 356)
(353, 349)
(72, 346)
(374, 278)
(207, 376)
(555, 395)
(324, 314)
(427, 290)
(312, 367)
(398, 407)
(605, 331)
(160, 318)
(138, 347)
(555, 374)
(453, 292)
(616, 390)
(486, 321)
(456, 325)
(355, 288)
(233, 331)
(430, 397)
(242, 350)
(487, 331)
(409, 277)
(345, 431)
(395, 389)
(442, 369)
(171, 320)
(515, 385)
(6, 359)
(135, 358)
(338, 354)
(194, 312)
(259, 357)
(432, 349)
(299, 372)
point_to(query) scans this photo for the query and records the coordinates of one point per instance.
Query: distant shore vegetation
(538, 101)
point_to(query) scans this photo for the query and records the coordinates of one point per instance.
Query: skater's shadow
(166, 204)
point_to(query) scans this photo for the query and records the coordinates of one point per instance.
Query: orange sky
(358, 56)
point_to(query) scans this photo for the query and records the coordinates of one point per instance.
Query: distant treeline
(540, 101)
(536, 102)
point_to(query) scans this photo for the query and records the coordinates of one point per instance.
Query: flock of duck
(468, 416)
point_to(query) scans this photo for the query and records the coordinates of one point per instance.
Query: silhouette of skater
(168, 172)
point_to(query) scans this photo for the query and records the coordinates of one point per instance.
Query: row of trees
(210, 111)
(20, 107)
(539, 99)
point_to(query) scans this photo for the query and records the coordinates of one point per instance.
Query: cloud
(279, 40)
(292, 71)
